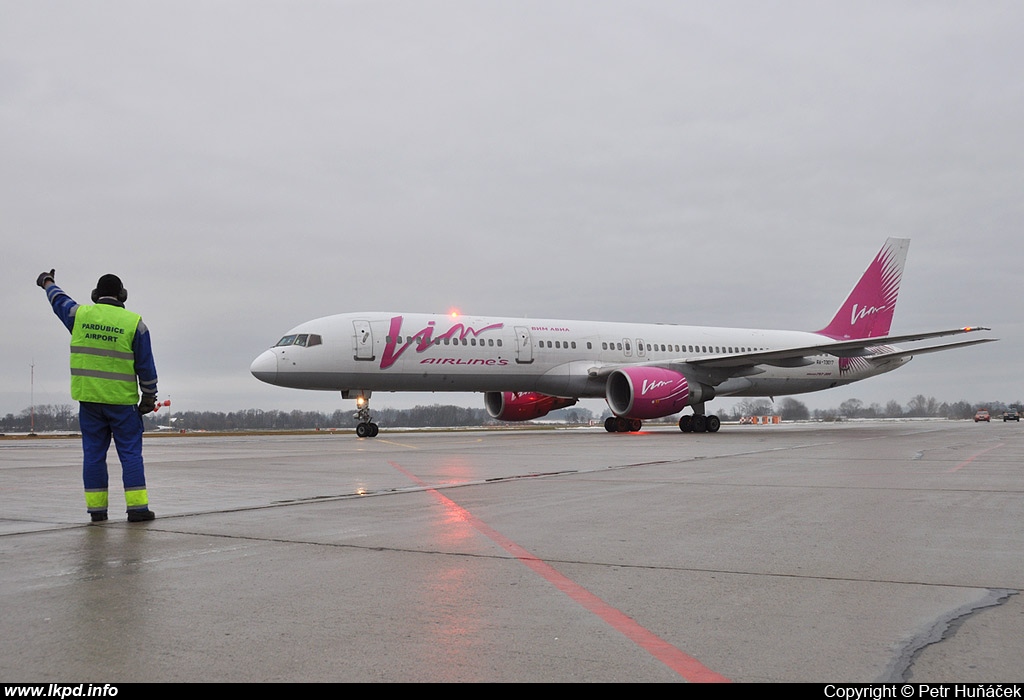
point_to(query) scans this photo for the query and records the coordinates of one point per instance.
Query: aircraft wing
(723, 366)
(861, 347)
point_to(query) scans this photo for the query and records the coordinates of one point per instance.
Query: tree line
(64, 417)
(919, 406)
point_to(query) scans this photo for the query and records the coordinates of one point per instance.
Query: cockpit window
(303, 340)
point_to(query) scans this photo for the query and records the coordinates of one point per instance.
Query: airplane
(528, 367)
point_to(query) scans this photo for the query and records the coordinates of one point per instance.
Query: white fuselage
(383, 351)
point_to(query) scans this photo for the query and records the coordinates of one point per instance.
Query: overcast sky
(248, 165)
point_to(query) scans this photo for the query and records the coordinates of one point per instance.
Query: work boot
(139, 516)
(98, 516)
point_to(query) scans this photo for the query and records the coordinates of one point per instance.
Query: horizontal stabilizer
(932, 348)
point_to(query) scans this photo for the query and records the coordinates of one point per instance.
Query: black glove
(43, 276)
(148, 404)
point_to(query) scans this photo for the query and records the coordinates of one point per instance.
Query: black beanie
(109, 286)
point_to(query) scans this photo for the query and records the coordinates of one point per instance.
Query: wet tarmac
(847, 552)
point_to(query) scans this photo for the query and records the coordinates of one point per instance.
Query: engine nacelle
(514, 406)
(649, 392)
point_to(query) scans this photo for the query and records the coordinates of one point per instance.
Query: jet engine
(651, 392)
(515, 406)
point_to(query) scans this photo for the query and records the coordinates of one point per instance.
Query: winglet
(868, 310)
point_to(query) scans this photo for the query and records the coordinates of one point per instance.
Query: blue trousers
(98, 423)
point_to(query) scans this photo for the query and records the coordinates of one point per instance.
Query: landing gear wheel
(713, 424)
(686, 423)
(618, 424)
(700, 424)
(366, 427)
(367, 430)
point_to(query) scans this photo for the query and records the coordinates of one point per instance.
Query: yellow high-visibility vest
(102, 361)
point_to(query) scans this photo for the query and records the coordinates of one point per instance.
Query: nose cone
(264, 367)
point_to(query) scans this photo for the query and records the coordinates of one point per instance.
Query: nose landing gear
(366, 428)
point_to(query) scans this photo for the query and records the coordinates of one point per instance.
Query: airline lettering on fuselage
(487, 362)
(424, 339)
(865, 311)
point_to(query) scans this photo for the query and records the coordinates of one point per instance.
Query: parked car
(1011, 415)
(982, 415)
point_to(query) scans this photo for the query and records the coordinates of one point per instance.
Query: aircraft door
(362, 340)
(640, 348)
(627, 349)
(524, 345)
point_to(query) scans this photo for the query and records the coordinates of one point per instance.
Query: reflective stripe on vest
(102, 361)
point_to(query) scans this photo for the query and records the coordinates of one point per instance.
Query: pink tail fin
(867, 311)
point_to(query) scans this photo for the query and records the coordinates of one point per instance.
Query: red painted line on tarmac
(683, 664)
(972, 458)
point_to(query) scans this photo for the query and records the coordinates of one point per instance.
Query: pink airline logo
(424, 338)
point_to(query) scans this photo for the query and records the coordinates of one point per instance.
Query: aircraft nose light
(264, 367)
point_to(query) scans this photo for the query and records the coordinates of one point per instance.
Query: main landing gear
(695, 423)
(366, 428)
(614, 424)
(698, 422)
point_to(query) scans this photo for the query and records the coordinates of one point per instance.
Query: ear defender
(110, 286)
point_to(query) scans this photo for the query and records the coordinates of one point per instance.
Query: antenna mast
(32, 398)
